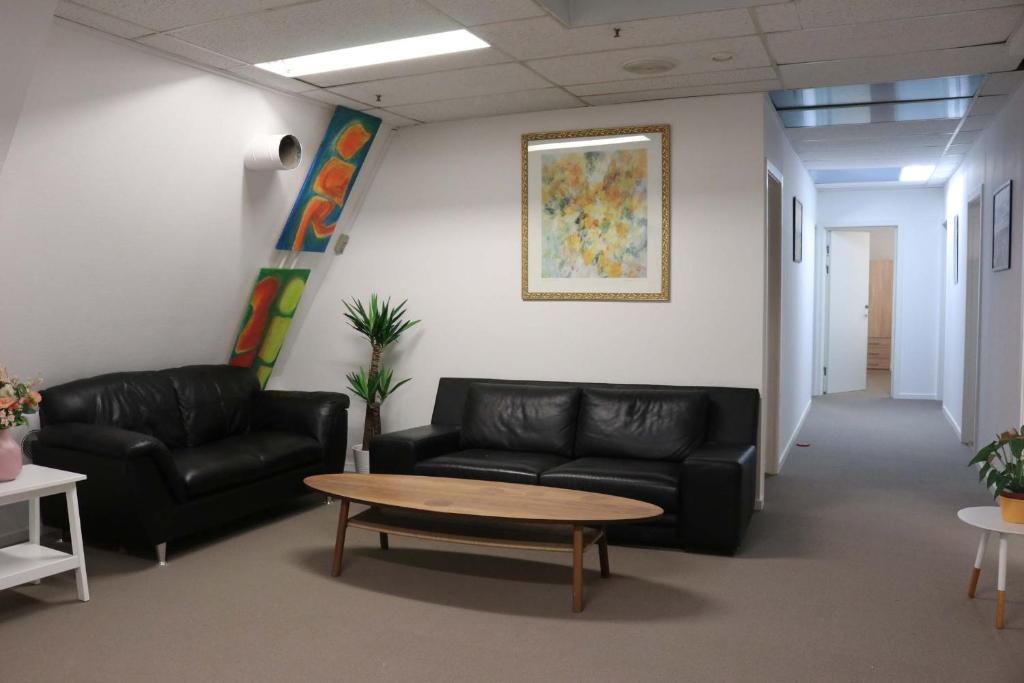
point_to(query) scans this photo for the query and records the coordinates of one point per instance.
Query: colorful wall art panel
(267, 319)
(329, 182)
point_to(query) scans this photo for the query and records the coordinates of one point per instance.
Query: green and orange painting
(594, 214)
(268, 316)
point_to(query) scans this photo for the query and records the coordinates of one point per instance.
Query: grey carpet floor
(856, 571)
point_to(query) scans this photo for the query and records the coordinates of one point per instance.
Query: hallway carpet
(856, 570)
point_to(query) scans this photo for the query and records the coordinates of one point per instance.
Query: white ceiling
(536, 62)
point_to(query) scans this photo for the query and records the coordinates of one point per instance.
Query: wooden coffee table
(483, 513)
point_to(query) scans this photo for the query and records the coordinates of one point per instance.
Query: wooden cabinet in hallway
(880, 314)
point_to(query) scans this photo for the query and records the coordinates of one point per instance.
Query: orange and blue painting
(268, 316)
(329, 182)
(594, 214)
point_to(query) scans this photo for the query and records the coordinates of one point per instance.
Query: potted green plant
(1002, 469)
(381, 324)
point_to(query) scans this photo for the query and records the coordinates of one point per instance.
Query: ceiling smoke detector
(649, 67)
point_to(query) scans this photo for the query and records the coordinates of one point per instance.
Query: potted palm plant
(1002, 469)
(381, 324)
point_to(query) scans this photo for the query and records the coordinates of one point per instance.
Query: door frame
(825, 283)
(970, 397)
(768, 450)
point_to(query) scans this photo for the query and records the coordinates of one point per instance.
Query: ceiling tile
(1004, 83)
(761, 73)
(409, 67)
(392, 119)
(547, 37)
(316, 27)
(675, 93)
(689, 57)
(781, 17)
(489, 105)
(446, 85)
(162, 41)
(336, 99)
(863, 131)
(988, 105)
(965, 60)
(100, 21)
(963, 148)
(251, 73)
(897, 36)
(818, 13)
(164, 15)
(967, 137)
(976, 122)
(474, 12)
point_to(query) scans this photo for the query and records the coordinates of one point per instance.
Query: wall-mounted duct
(273, 153)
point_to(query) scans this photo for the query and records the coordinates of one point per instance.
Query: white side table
(990, 521)
(29, 562)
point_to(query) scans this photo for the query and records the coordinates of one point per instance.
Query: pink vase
(10, 456)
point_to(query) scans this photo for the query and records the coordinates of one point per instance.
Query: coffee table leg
(602, 550)
(577, 569)
(383, 541)
(976, 572)
(339, 541)
(1001, 583)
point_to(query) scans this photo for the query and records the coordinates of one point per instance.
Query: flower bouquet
(17, 399)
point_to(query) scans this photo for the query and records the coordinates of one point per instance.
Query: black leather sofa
(173, 452)
(690, 450)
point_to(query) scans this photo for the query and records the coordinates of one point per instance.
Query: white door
(848, 268)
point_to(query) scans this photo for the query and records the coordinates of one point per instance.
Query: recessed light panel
(417, 47)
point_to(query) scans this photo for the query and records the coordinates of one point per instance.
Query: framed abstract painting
(595, 214)
(315, 214)
(268, 316)
(1002, 226)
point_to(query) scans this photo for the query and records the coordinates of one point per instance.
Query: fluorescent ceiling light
(376, 53)
(587, 143)
(916, 174)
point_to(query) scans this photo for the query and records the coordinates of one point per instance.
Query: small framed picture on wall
(956, 249)
(1002, 221)
(798, 231)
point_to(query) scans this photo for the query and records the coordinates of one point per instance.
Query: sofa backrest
(732, 413)
(182, 407)
(138, 401)
(520, 417)
(650, 424)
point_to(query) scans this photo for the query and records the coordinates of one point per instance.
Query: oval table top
(478, 498)
(989, 518)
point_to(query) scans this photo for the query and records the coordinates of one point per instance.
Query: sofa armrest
(100, 440)
(717, 496)
(398, 452)
(322, 415)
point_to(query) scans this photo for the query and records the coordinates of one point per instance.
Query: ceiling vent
(649, 67)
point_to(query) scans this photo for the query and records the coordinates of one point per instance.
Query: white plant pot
(361, 459)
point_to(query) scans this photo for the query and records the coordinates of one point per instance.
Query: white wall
(797, 338)
(23, 33)
(917, 214)
(130, 232)
(996, 157)
(441, 227)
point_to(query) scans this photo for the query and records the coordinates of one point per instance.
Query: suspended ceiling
(559, 54)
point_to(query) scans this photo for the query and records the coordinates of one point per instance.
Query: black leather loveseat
(173, 452)
(690, 450)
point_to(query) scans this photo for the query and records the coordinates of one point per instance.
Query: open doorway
(969, 235)
(772, 321)
(860, 267)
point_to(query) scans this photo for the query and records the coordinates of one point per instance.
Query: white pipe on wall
(273, 153)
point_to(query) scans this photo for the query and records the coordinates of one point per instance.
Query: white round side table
(990, 521)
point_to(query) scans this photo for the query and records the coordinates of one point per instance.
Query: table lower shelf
(27, 562)
(472, 531)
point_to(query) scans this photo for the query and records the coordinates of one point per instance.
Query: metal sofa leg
(161, 554)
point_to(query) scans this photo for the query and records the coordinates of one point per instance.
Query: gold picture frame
(641, 241)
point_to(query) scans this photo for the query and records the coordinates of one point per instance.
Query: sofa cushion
(650, 424)
(521, 417)
(517, 467)
(218, 465)
(652, 481)
(214, 400)
(142, 402)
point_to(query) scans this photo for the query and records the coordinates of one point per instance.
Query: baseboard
(915, 397)
(952, 422)
(792, 438)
